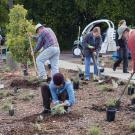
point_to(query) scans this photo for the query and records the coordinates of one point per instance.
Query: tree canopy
(64, 16)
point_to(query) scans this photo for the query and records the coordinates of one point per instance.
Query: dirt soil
(88, 111)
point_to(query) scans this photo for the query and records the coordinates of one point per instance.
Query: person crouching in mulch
(59, 94)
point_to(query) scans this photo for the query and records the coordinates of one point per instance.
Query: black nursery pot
(81, 76)
(102, 70)
(133, 101)
(110, 114)
(130, 90)
(11, 112)
(76, 85)
(25, 72)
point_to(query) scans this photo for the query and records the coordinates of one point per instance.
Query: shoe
(87, 79)
(125, 72)
(114, 68)
(45, 111)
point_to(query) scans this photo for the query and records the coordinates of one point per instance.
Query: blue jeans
(51, 54)
(87, 66)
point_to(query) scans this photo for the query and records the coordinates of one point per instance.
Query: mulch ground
(89, 110)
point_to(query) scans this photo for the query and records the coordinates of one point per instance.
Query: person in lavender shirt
(47, 40)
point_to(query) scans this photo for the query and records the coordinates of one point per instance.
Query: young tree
(17, 37)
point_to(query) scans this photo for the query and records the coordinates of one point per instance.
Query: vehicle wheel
(77, 51)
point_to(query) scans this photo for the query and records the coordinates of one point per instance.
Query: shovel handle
(125, 87)
(32, 54)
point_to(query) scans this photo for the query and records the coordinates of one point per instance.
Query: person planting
(91, 46)
(47, 40)
(123, 33)
(131, 45)
(60, 92)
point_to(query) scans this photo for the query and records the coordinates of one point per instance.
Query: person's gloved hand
(91, 47)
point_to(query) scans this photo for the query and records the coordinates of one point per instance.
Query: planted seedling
(11, 110)
(132, 126)
(94, 131)
(111, 110)
(58, 109)
(105, 87)
(6, 106)
(37, 126)
(27, 97)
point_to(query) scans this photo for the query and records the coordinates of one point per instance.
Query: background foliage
(64, 16)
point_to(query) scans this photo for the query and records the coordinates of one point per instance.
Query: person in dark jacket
(91, 46)
(59, 91)
(123, 49)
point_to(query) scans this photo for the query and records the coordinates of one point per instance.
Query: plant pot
(133, 101)
(11, 112)
(25, 72)
(81, 76)
(101, 70)
(76, 85)
(110, 114)
(130, 90)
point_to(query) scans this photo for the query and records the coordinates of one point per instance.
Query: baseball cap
(38, 26)
(121, 30)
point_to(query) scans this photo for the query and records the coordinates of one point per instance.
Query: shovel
(32, 54)
(119, 99)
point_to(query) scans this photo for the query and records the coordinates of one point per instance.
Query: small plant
(94, 131)
(133, 96)
(6, 106)
(132, 126)
(105, 87)
(58, 109)
(27, 96)
(111, 103)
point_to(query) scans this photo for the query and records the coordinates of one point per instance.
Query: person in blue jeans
(91, 46)
(59, 91)
(47, 40)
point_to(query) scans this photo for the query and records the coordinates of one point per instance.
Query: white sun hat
(38, 26)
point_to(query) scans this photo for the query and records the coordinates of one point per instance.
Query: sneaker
(87, 79)
(125, 72)
(45, 111)
(114, 68)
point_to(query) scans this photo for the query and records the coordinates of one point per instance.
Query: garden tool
(119, 99)
(32, 54)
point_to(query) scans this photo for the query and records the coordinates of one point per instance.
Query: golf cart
(108, 45)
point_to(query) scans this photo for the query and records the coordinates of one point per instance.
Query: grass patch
(105, 87)
(94, 131)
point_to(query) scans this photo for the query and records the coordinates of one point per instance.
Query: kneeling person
(59, 91)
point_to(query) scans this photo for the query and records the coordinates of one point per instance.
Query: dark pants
(123, 56)
(47, 97)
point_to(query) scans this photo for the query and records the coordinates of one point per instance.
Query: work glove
(92, 48)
